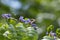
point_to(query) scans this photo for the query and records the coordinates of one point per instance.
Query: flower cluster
(6, 16)
(27, 20)
(50, 35)
(22, 29)
(21, 18)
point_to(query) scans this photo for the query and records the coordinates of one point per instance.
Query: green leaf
(50, 28)
(11, 21)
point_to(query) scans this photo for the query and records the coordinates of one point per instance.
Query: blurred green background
(46, 12)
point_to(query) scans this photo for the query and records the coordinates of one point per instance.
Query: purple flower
(27, 21)
(21, 19)
(6, 16)
(46, 33)
(54, 34)
(33, 25)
